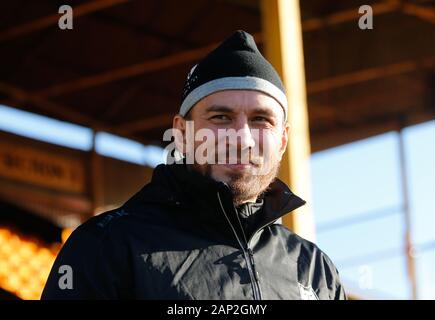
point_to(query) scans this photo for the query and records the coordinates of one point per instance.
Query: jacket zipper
(248, 255)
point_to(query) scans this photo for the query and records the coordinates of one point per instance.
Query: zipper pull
(251, 255)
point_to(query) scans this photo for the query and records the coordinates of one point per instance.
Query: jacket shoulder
(306, 248)
(95, 254)
(118, 222)
(101, 224)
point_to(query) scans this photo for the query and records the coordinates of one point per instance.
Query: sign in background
(41, 168)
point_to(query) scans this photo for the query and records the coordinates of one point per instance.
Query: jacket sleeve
(340, 294)
(338, 288)
(91, 265)
(332, 279)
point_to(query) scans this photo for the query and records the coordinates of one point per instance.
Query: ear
(179, 126)
(284, 139)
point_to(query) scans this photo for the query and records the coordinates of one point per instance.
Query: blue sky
(357, 198)
(357, 201)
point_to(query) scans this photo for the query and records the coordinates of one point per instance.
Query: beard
(244, 185)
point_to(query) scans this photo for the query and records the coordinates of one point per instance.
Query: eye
(260, 119)
(220, 117)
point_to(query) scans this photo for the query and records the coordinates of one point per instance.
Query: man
(207, 229)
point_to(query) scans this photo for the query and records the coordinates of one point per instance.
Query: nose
(244, 133)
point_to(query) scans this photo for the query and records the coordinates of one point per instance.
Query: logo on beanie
(190, 80)
(191, 72)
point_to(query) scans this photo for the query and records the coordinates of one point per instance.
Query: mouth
(238, 165)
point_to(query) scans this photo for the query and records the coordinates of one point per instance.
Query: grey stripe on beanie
(234, 83)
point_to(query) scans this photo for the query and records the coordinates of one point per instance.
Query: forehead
(239, 101)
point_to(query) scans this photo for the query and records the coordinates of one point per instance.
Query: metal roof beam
(193, 55)
(50, 20)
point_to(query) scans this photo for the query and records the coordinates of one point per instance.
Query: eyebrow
(219, 108)
(263, 111)
(226, 109)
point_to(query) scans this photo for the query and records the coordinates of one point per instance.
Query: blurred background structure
(83, 111)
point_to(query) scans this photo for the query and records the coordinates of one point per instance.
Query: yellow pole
(283, 47)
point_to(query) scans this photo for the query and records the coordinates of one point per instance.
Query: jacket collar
(203, 199)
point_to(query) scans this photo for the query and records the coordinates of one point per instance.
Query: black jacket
(181, 237)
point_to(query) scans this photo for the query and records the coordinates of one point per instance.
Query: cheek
(205, 136)
(270, 141)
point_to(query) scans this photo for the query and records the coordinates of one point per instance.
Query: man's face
(256, 122)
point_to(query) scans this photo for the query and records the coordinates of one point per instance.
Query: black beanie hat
(235, 64)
